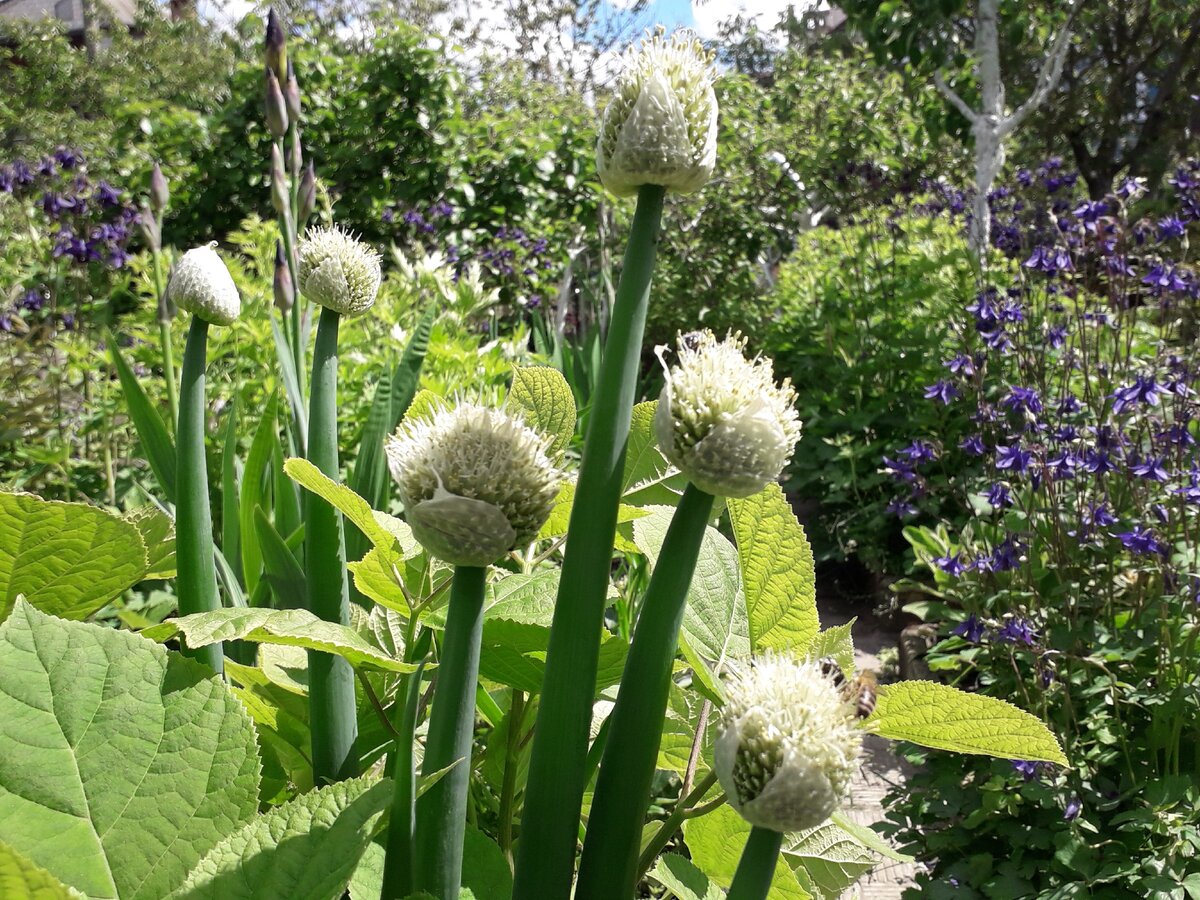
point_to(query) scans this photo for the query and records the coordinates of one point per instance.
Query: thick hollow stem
(164, 336)
(398, 863)
(442, 810)
(557, 772)
(196, 579)
(332, 716)
(752, 880)
(610, 852)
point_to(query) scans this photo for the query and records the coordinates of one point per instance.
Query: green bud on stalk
(475, 482)
(308, 193)
(722, 420)
(661, 125)
(338, 271)
(277, 117)
(291, 95)
(151, 232)
(285, 291)
(160, 193)
(275, 46)
(279, 183)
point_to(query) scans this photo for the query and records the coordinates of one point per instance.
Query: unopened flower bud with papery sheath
(284, 290)
(787, 744)
(661, 125)
(338, 271)
(201, 284)
(722, 419)
(276, 108)
(475, 481)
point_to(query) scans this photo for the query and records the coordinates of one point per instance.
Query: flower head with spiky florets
(202, 285)
(787, 745)
(722, 419)
(338, 271)
(475, 481)
(661, 125)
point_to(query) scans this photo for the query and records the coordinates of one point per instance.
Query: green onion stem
(608, 867)
(196, 579)
(442, 810)
(332, 714)
(164, 336)
(557, 773)
(752, 880)
(398, 863)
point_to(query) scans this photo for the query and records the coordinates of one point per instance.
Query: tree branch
(956, 101)
(1048, 77)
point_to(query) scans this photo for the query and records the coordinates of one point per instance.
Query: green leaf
(683, 880)
(231, 486)
(832, 857)
(715, 622)
(22, 879)
(835, 642)
(939, 716)
(560, 515)
(716, 841)
(306, 849)
(545, 400)
(264, 444)
(777, 571)
(134, 762)
(291, 384)
(285, 627)
(158, 535)
(485, 870)
(66, 559)
(155, 439)
(387, 533)
(367, 881)
(283, 572)
(648, 478)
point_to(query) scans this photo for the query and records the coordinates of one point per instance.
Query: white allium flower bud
(721, 418)
(202, 285)
(338, 271)
(787, 746)
(476, 482)
(661, 125)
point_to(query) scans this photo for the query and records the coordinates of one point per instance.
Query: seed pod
(275, 46)
(337, 271)
(277, 117)
(787, 744)
(285, 292)
(279, 183)
(160, 193)
(201, 284)
(722, 420)
(661, 125)
(307, 199)
(475, 482)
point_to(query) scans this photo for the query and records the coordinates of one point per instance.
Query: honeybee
(861, 691)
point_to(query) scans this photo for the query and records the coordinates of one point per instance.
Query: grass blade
(151, 430)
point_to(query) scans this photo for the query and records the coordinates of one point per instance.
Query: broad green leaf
(869, 839)
(560, 516)
(253, 494)
(424, 405)
(306, 849)
(777, 571)
(281, 719)
(715, 622)
(832, 857)
(286, 627)
(22, 879)
(67, 559)
(374, 576)
(158, 534)
(485, 870)
(152, 433)
(546, 403)
(648, 478)
(939, 716)
(679, 732)
(716, 840)
(835, 642)
(134, 762)
(683, 880)
(367, 881)
(383, 531)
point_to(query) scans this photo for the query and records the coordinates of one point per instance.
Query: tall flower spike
(202, 285)
(475, 482)
(337, 271)
(721, 418)
(787, 744)
(661, 125)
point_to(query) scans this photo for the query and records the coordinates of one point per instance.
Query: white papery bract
(787, 744)
(338, 271)
(476, 482)
(661, 125)
(722, 419)
(201, 284)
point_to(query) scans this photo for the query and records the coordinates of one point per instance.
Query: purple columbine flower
(1006, 556)
(1027, 769)
(901, 508)
(943, 391)
(951, 565)
(1142, 541)
(1100, 515)
(1152, 468)
(961, 365)
(973, 445)
(67, 158)
(919, 452)
(899, 470)
(1073, 809)
(1165, 277)
(1131, 187)
(1063, 465)
(1170, 228)
(1056, 336)
(1022, 399)
(1143, 391)
(1017, 631)
(998, 496)
(970, 629)
(1013, 458)
(107, 195)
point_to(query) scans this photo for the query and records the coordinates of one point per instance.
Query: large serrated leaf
(832, 857)
(22, 879)
(546, 403)
(306, 849)
(715, 622)
(683, 880)
(132, 762)
(939, 716)
(836, 642)
(285, 627)
(158, 534)
(716, 841)
(648, 478)
(777, 571)
(66, 559)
